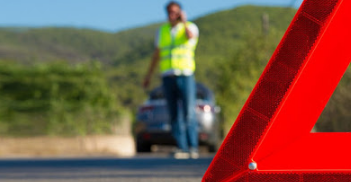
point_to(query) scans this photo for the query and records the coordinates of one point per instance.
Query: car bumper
(166, 138)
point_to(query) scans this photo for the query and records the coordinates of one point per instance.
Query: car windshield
(156, 94)
(202, 93)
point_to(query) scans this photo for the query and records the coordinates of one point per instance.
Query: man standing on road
(175, 50)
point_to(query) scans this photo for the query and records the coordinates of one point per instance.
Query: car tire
(214, 144)
(212, 148)
(142, 146)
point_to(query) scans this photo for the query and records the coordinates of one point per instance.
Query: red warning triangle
(271, 138)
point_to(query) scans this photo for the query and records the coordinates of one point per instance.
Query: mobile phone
(179, 18)
(180, 15)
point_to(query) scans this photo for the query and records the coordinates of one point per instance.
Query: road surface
(138, 169)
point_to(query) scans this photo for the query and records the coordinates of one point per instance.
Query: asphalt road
(142, 168)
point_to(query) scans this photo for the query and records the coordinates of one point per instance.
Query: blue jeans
(180, 93)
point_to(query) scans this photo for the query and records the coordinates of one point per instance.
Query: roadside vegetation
(56, 99)
(41, 95)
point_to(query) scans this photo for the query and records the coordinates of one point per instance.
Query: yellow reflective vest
(176, 52)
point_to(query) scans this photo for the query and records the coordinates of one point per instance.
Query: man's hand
(183, 17)
(146, 82)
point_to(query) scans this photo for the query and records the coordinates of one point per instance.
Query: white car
(153, 125)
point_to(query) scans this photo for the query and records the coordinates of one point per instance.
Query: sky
(110, 15)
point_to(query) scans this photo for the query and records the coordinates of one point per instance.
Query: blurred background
(74, 69)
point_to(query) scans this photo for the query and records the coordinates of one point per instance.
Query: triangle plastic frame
(271, 138)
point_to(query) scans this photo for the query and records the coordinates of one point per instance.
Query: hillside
(220, 35)
(73, 45)
(231, 53)
(224, 29)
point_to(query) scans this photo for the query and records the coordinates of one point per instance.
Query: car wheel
(142, 146)
(212, 147)
(214, 144)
